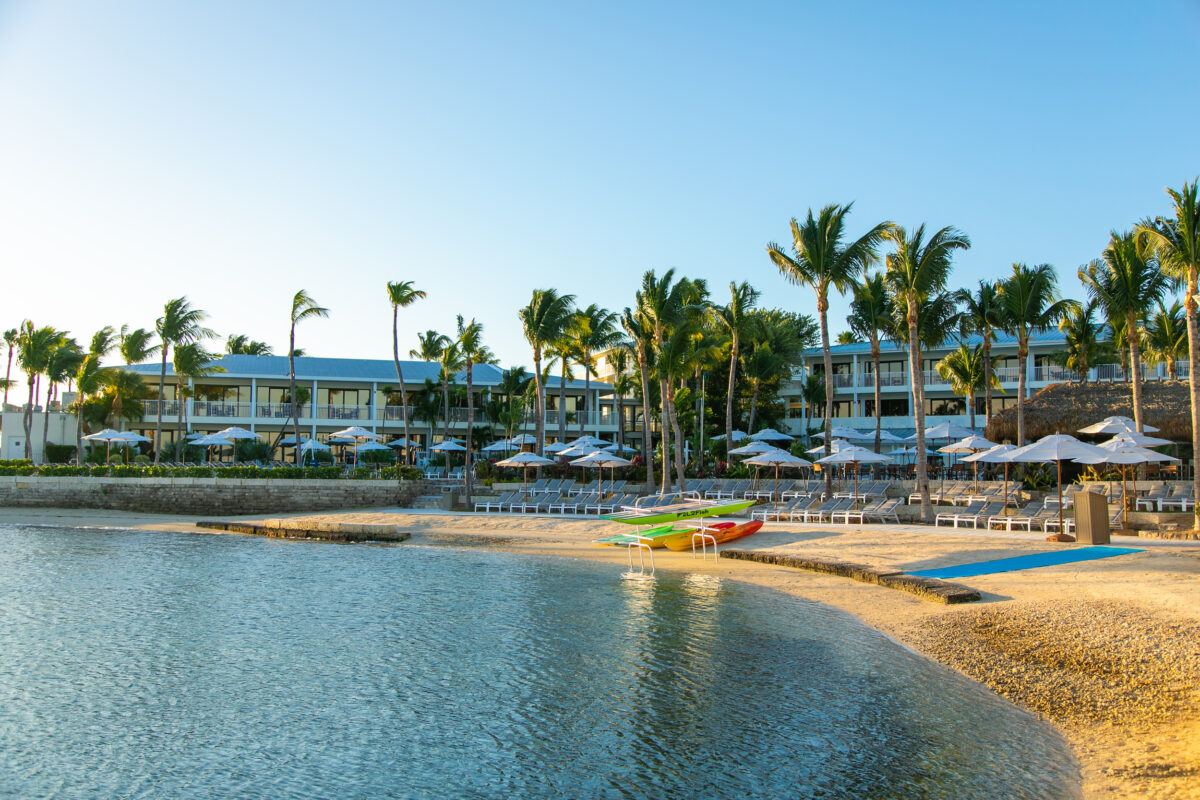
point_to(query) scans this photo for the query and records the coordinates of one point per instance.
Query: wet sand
(1106, 650)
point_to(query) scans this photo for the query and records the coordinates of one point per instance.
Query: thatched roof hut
(1067, 407)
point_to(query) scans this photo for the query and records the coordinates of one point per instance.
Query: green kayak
(677, 511)
(626, 538)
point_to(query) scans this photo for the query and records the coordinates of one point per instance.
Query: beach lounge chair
(888, 509)
(851, 514)
(497, 503)
(1181, 498)
(1150, 501)
(984, 515)
(1018, 521)
(952, 517)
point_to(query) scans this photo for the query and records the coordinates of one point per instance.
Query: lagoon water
(136, 664)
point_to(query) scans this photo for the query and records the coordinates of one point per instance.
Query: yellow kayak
(682, 540)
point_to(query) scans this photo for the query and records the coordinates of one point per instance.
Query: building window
(892, 407)
(998, 404)
(945, 407)
(843, 408)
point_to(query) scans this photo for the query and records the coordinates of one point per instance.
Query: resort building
(335, 393)
(854, 382)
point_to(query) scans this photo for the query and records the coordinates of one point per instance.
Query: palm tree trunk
(27, 418)
(46, 417)
(680, 463)
(700, 409)
(753, 405)
(647, 437)
(562, 402)
(971, 411)
(162, 382)
(1194, 383)
(8, 373)
(914, 359)
(292, 390)
(446, 409)
(827, 360)
(540, 411)
(587, 398)
(400, 378)
(79, 430)
(1022, 355)
(664, 423)
(878, 392)
(729, 392)
(1135, 369)
(467, 466)
(987, 374)
(179, 418)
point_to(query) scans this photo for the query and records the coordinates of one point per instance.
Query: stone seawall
(224, 496)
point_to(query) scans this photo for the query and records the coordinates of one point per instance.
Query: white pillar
(371, 405)
(253, 402)
(312, 409)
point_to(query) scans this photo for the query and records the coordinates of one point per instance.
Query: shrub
(59, 453)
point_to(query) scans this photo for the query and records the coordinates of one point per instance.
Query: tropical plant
(562, 352)
(593, 330)
(303, 307)
(1166, 337)
(10, 339)
(1176, 242)
(622, 383)
(1127, 282)
(401, 294)
(1085, 341)
(513, 386)
(871, 314)
(847, 337)
(916, 272)
(641, 343)
(733, 317)
(89, 379)
(449, 364)
(427, 405)
(776, 341)
(474, 351)
(34, 346)
(822, 259)
(120, 399)
(180, 324)
(61, 365)
(135, 345)
(189, 362)
(981, 315)
(239, 344)
(543, 322)
(966, 372)
(1029, 304)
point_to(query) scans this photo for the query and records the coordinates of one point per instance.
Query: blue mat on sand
(1050, 559)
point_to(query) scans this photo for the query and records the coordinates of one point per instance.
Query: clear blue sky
(239, 151)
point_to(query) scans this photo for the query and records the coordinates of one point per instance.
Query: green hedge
(248, 471)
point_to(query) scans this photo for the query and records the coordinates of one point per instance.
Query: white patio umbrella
(752, 449)
(842, 432)
(577, 450)
(372, 447)
(236, 433)
(620, 448)
(737, 436)
(448, 446)
(779, 459)
(1114, 425)
(108, 436)
(834, 446)
(1058, 447)
(354, 433)
(1122, 454)
(971, 444)
(600, 459)
(853, 454)
(312, 446)
(771, 435)
(557, 447)
(502, 446)
(212, 440)
(995, 455)
(401, 443)
(524, 439)
(525, 461)
(1137, 439)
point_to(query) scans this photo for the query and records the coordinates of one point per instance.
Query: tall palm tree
(474, 351)
(1166, 337)
(918, 270)
(89, 379)
(123, 393)
(1176, 241)
(239, 344)
(594, 330)
(449, 364)
(34, 346)
(641, 341)
(180, 324)
(618, 358)
(981, 315)
(190, 361)
(65, 356)
(135, 345)
(1127, 282)
(430, 345)
(821, 258)
(732, 316)
(428, 406)
(303, 307)
(1029, 304)
(562, 350)
(543, 322)
(1086, 344)
(401, 294)
(10, 339)
(871, 314)
(965, 370)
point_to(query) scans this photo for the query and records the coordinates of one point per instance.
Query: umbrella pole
(855, 484)
(1124, 500)
(1006, 484)
(1058, 464)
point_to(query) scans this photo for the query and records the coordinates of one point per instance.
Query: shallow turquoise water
(157, 665)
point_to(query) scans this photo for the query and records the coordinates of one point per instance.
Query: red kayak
(739, 531)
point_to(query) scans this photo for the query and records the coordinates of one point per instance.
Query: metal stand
(642, 548)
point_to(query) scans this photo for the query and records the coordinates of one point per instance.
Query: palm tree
(917, 271)
(430, 345)
(543, 322)
(822, 259)
(34, 346)
(640, 340)
(732, 316)
(1086, 345)
(303, 307)
(594, 330)
(871, 314)
(89, 379)
(1176, 241)
(401, 294)
(428, 406)
(981, 315)
(562, 351)
(618, 358)
(65, 356)
(1029, 303)
(135, 345)
(514, 383)
(10, 339)
(474, 351)
(965, 370)
(180, 324)
(1127, 281)
(190, 361)
(122, 396)
(239, 344)
(1166, 337)
(449, 364)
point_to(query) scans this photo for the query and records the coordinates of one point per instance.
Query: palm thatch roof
(1067, 407)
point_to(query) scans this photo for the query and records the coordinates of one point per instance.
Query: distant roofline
(1049, 337)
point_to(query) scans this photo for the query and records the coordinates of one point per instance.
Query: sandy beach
(1105, 650)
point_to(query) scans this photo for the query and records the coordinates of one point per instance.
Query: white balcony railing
(214, 408)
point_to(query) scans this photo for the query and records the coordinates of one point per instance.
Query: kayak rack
(643, 549)
(704, 538)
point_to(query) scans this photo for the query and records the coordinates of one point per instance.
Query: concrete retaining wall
(224, 496)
